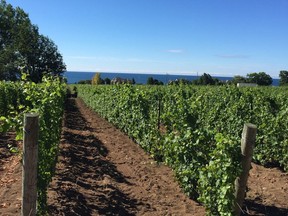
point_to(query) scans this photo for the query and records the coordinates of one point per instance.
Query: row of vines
(47, 99)
(197, 131)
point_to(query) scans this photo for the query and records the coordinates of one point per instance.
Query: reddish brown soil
(102, 172)
(267, 192)
(10, 177)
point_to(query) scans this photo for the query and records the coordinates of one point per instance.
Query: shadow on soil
(81, 187)
(261, 209)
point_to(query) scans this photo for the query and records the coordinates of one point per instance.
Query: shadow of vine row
(80, 183)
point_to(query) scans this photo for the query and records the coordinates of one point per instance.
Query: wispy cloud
(175, 51)
(234, 56)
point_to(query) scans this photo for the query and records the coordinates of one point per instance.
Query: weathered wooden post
(30, 159)
(247, 146)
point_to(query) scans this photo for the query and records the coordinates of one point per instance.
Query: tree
(205, 79)
(48, 60)
(260, 78)
(133, 81)
(107, 81)
(22, 48)
(151, 81)
(239, 79)
(283, 77)
(84, 82)
(96, 80)
(11, 22)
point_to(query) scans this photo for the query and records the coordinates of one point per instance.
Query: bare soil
(101, 171)
(267, 192)
(10, 176)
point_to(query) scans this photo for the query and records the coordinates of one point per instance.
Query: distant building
(118, 80)
(246, 85)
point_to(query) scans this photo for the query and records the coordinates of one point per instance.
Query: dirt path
(102, 172)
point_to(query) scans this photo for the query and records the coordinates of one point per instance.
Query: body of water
(74, 77)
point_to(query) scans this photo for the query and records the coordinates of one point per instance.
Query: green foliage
(107, 81)
(198, 131)
(23, 48)
(152, 81)
(260, 78)
(96, 80)
(239, 79)
(207, 79)
(283, 77)
(84, 82)
(47, 99)
(216, 179)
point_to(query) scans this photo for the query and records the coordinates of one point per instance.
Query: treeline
(97, 80)
(260, 78)
(23, 48)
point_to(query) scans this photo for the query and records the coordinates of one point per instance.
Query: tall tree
(23, 48)
(48, 60)
(260, 78)
(96, 80)
(283, 77)
(205, 79)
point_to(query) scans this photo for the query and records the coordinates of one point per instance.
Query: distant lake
(74, 77)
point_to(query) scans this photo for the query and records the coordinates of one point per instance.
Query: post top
(251, 125)
(32, 115)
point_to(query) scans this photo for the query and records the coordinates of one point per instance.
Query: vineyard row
(197, 131)
(46, 99)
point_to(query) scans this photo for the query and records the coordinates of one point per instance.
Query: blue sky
(219, 37)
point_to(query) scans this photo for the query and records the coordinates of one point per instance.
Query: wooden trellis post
(30, 159)
(247, 146)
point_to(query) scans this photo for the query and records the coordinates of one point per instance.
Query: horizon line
(164, 73)
(152, 73)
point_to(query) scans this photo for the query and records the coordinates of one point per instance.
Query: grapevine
(201, 131)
